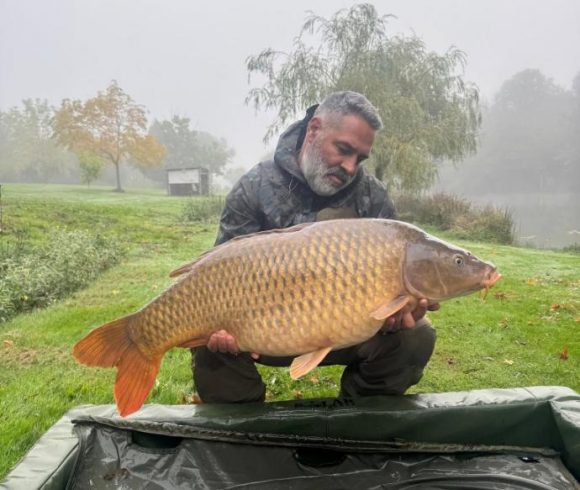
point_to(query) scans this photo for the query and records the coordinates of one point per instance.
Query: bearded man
(316, 174)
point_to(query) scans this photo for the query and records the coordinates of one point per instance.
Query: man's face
(333, 149)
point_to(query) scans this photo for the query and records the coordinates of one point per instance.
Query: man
(316, 174)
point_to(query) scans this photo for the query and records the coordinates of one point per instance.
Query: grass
(525, 333)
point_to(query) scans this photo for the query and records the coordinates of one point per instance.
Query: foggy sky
(186, 57)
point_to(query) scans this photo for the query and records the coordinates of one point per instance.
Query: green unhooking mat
(525, 438)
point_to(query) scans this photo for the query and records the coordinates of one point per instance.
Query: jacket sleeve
(241, 214)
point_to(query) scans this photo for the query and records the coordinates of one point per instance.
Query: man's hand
(408, 316)
(222, 341)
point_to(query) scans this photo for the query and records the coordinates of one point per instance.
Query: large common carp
(301, 291)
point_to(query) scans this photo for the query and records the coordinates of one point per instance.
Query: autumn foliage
(111, 126)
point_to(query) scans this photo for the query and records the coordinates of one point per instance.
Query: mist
(188, 59)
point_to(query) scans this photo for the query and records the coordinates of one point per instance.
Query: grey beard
(316, 173)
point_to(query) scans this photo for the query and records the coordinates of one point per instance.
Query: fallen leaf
(191, 399)
(509, 362)
(9, 344)
(503, 323)
(500, 296)
(314, 379)
(451, 361)
(564, 354)
(297, 394)
(555, 306)
(532, 281)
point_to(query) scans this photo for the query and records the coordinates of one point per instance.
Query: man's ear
(313, 129)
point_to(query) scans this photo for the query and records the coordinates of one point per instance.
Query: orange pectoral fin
(307, 362)
(389, 309)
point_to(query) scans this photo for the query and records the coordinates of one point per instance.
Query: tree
(526, 134)
(430, 113)
(529, 141)
(186, 147)
(111, 126)
(91, 167)
(27, 151)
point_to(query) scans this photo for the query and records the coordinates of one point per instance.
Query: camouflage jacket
(274, 194)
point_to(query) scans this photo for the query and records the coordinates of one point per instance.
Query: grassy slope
(512, 339)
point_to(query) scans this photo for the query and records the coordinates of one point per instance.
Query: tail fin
(111, 346)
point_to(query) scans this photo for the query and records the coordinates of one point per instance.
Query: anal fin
(192, 343)
(307, 362)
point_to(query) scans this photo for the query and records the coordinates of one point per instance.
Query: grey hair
(351, 103)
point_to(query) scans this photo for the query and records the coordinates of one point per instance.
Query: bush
(439, 210)
(457, 215)
(205, 209)
(573, 249)
(69, 261)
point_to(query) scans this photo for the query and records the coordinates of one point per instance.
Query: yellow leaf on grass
(8, 344)
(509, 362)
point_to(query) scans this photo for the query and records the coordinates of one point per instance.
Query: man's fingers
(222, 341)
(408, 320)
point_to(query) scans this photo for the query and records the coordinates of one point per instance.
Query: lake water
(542, 220)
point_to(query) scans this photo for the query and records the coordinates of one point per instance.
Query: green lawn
(518, 336)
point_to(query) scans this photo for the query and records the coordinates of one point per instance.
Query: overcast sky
(186, 57)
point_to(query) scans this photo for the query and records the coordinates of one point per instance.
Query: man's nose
(350, 165)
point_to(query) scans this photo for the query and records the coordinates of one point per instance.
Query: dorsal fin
(187, 267)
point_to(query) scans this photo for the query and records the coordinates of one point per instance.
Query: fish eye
(458, 259)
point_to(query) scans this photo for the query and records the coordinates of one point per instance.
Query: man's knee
(388, 364)
(417, 343)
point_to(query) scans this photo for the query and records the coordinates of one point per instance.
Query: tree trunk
(117, 170)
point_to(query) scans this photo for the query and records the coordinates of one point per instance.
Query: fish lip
(491, 279)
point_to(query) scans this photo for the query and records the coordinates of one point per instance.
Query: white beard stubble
(317, 173)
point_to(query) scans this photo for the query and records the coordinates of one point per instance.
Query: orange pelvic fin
(111, 346)
(389, 309)
(307, 362)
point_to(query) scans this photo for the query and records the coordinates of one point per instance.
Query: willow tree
(430, 112)
(110, 126)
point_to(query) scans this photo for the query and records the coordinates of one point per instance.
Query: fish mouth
(490, 280)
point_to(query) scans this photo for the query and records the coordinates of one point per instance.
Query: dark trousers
(386, 364)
